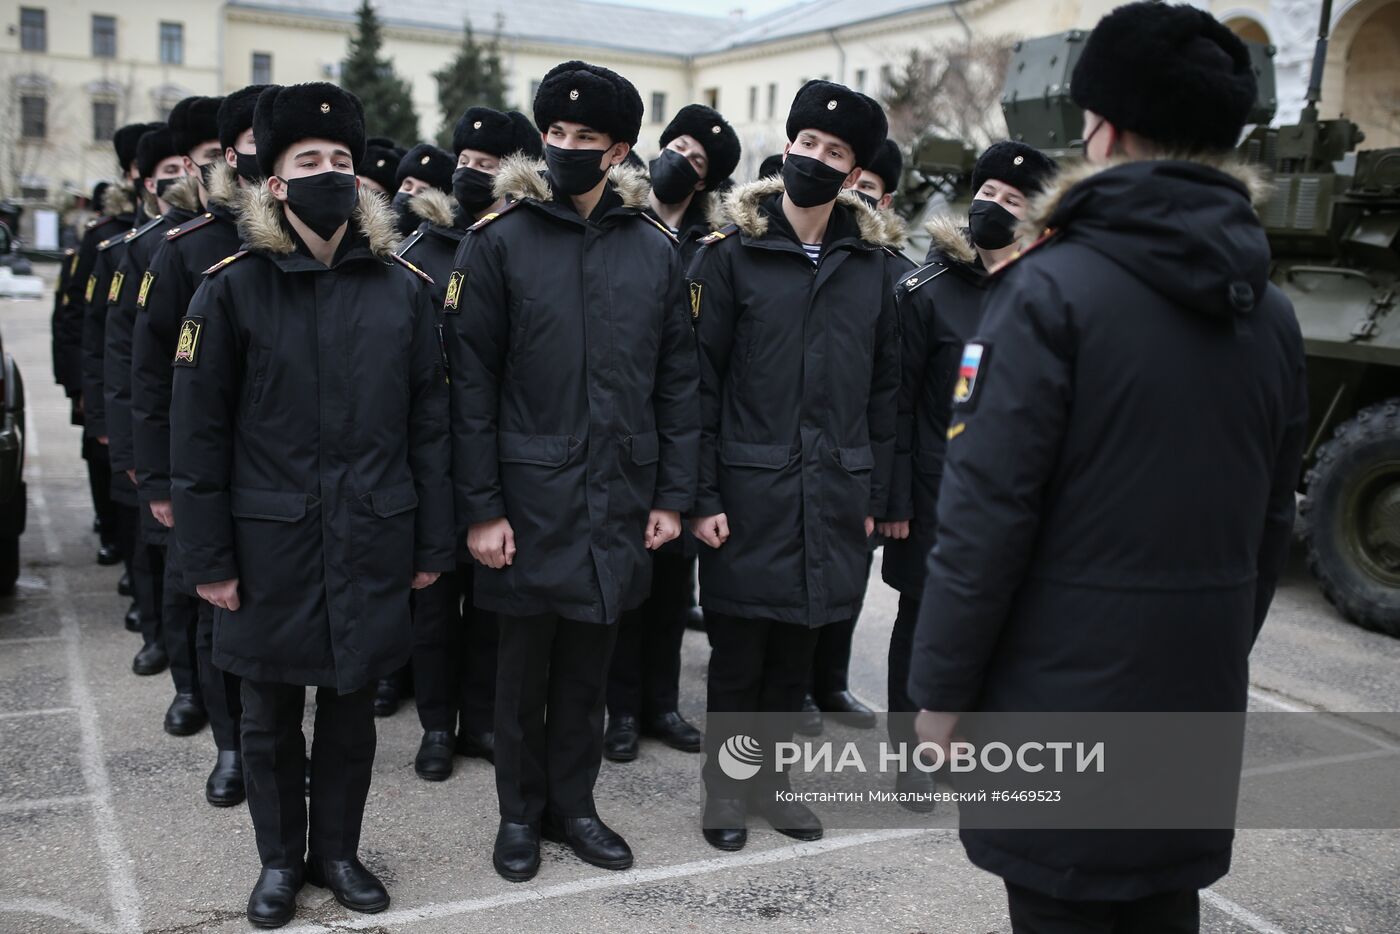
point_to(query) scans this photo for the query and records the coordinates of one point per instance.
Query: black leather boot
(224, 788)
(724, 823)
(274, 899)
(151, 660)
(350, 882)
(846, 708)
(434, 760)
(792, 818)
(386, 698)
(675, 731)
(592, 841)
(109, 555)
(620, 739)
(132, 620)
(123, 584)
(185, 716)
(809, 718)
(516, 855)
(477, 745)
(913, 782)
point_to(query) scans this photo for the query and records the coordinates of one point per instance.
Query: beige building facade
(72, 69)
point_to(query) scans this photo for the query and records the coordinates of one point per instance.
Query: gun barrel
(1324, 27)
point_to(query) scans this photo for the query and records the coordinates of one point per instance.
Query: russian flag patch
(973, 357)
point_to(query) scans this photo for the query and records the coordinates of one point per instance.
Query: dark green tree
(473, 78)
(387, 97)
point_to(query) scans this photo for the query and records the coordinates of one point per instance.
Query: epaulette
(92, 222)
(111, 242)
(1048, 234)
(224, 262)
(145, 228)
(495, 214)
(408, 243)
(660, 226)
(412, 268)
(720, 234)
(193, 223)
(922, 275)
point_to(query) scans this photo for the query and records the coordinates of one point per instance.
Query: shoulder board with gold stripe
(660, 226)
(1045, 237)
(113, 241)
(193, 223)
(412, 268)
(922, 275)
(409, 242)
(720, 234)
(495, 214)
(144, 229)
(92, 223)
(224, 262)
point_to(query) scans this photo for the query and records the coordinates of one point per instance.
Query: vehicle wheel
(9, 564)
(1352, 518)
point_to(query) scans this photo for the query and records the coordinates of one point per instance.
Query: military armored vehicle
(1333, 221)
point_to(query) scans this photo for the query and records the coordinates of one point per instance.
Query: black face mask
(404, 219)
(874, 204)
(248, 168)
(323, 202)
(206, 173)
(673, 178)
(810, 182)
(993, 226)
(472, 189)
(574, 171)
(163, 185)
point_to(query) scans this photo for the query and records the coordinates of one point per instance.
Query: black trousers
(147, 568)
(831, 663)
(756, 665)
(223, 695)
(901, 708)
(100, 484)
(274, 756)
(1166, 913)
(454, 656)
(644, 678)
(550, 687)
(179, 620)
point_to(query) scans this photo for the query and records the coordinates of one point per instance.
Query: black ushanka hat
(888, 164)
(484, 129)
(713, 132)
(381, 162)
(194, 120)
(154, 147)
(846, 114)
(1014, 163)
(127, 138)
(595, 96)
(236, 113)
(527, 136)
(316, 110)
(427, 163)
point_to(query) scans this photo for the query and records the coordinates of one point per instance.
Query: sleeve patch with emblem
(114, 291)
(697, 290)
(148, 279)
(187, 349)
(454, 290)
(91, 287)
(971, 373)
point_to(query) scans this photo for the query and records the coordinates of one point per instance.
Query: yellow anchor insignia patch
(697, 290)
(187, 349)
(454, 290)
(114, 291)
(147, 280)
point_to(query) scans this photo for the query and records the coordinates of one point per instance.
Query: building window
(172, 43)
(104, 36)
(34, 116)
(262, 68)
(753, 102)
(658, 106)
(33, 30)
(104, 121)
(711, 96)
(886, 80)
(34, 192)
(529, 105)
(860, 80)
(772, 100)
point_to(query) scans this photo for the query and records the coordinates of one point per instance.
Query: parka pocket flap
(268, 504)
(646, 449)
(545, 450)
(853, 459)
(393, 500)
(739, 454)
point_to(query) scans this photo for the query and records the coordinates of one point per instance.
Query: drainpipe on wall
(967, 30)
(840, 57)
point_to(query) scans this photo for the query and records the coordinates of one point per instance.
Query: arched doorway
(1366, 46)
(1250, 30)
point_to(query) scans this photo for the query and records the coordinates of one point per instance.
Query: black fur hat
(319, 110)
(846, 114)
(155, 147)
(711, 131)
(98, 190)
(126, 140)
(236, 113)
(485, 130)
(527, 138)
(888, 164)
(592, 95)
(381, 161)
(193, 121)
(1025, 167)
(772, 165)
(427, 163)
(1173, 74)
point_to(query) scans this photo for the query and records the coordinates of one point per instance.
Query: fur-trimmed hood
(119, 198)
(436, 207)
(1186, 228)
(948, 235)
(224, 188)
(521, 177)
(263, 226)
(1044, 205)
(742, 208)
(184, 195)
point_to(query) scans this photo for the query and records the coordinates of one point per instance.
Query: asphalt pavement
(103, 824)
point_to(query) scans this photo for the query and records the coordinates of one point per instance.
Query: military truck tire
(1351, 518)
